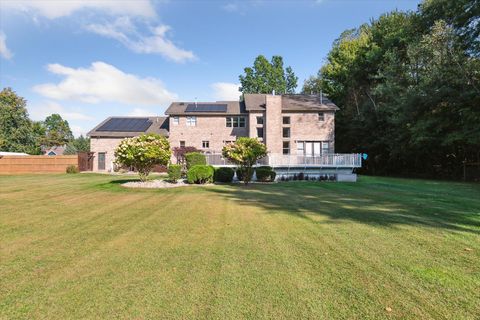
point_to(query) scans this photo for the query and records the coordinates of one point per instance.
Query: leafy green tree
(80, 144)
(16, 129)
(143, 153)
(57, 131)
(245, 152)
(265, 77)
(407, 85)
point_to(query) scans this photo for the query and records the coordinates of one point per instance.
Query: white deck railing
(334, 160)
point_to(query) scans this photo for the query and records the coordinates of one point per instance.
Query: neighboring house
(53, 151)
(105, 137)
(298, 130)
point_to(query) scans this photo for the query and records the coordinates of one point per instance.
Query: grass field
(82, 246)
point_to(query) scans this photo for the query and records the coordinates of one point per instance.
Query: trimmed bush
(200, 174)
(194, 159)
(72, 169)
(223, 174)
(174, 172)
(241, 174)
(265, 174)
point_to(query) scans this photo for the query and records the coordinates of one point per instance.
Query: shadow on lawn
(360, 203)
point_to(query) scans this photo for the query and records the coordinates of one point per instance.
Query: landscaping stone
(158, 184)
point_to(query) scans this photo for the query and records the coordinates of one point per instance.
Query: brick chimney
(273, 123)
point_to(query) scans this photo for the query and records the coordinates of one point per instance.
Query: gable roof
(114, 127)
(53, 151)
(291, 102)
(199, 108)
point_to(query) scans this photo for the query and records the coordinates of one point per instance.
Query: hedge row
(200, 174)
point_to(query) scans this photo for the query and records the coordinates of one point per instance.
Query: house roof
(206, 108)
(123, 127)
(55, 150)
(252, 102)
(291, 102)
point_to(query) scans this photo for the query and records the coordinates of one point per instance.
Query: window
(312, 148)
(286, 120)
(176, 120)
(260, 132)
(325, 148)
(286, 132)
(321, 116)
(205, 144)
(192, 121)
(182, 144)
(259, 120)
(101, 161)
(236, 122)
(286, 147)
(300, 148)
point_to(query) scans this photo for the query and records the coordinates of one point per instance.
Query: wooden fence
(36, 164)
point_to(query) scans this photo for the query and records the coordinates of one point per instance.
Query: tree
(245, 152)
(16, 129)
(180, 152)
(407, 85)
(57, 131)
(80, 144)
(143, 153)
(265, 77)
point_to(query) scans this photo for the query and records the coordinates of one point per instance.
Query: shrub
(143, 153)
(242, 172)
(174, 172)
(180, 152)
(223, 174)
(72, 169)
(200, 174)
(265, 174)
(301, 176)
(194, 159)
(245, 152)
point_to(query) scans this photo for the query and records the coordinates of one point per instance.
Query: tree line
(18, 133)
(408, 86)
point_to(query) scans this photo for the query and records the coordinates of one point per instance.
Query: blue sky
(88, 60)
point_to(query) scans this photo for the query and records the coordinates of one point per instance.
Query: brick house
(105, 137)
(297, 129)
(287, 124)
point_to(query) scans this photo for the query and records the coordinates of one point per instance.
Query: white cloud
(124, 31)
(231, 7)
(4, 51)
(224, 91)
(41, 111)
(139, 112)
(53, 9)
(102, 82)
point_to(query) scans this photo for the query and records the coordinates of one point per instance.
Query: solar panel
(126, 125)
(202, 107)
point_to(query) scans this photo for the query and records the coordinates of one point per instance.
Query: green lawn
(82, 246)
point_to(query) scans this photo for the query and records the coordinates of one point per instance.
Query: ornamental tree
(143, 153)
(245, 152)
